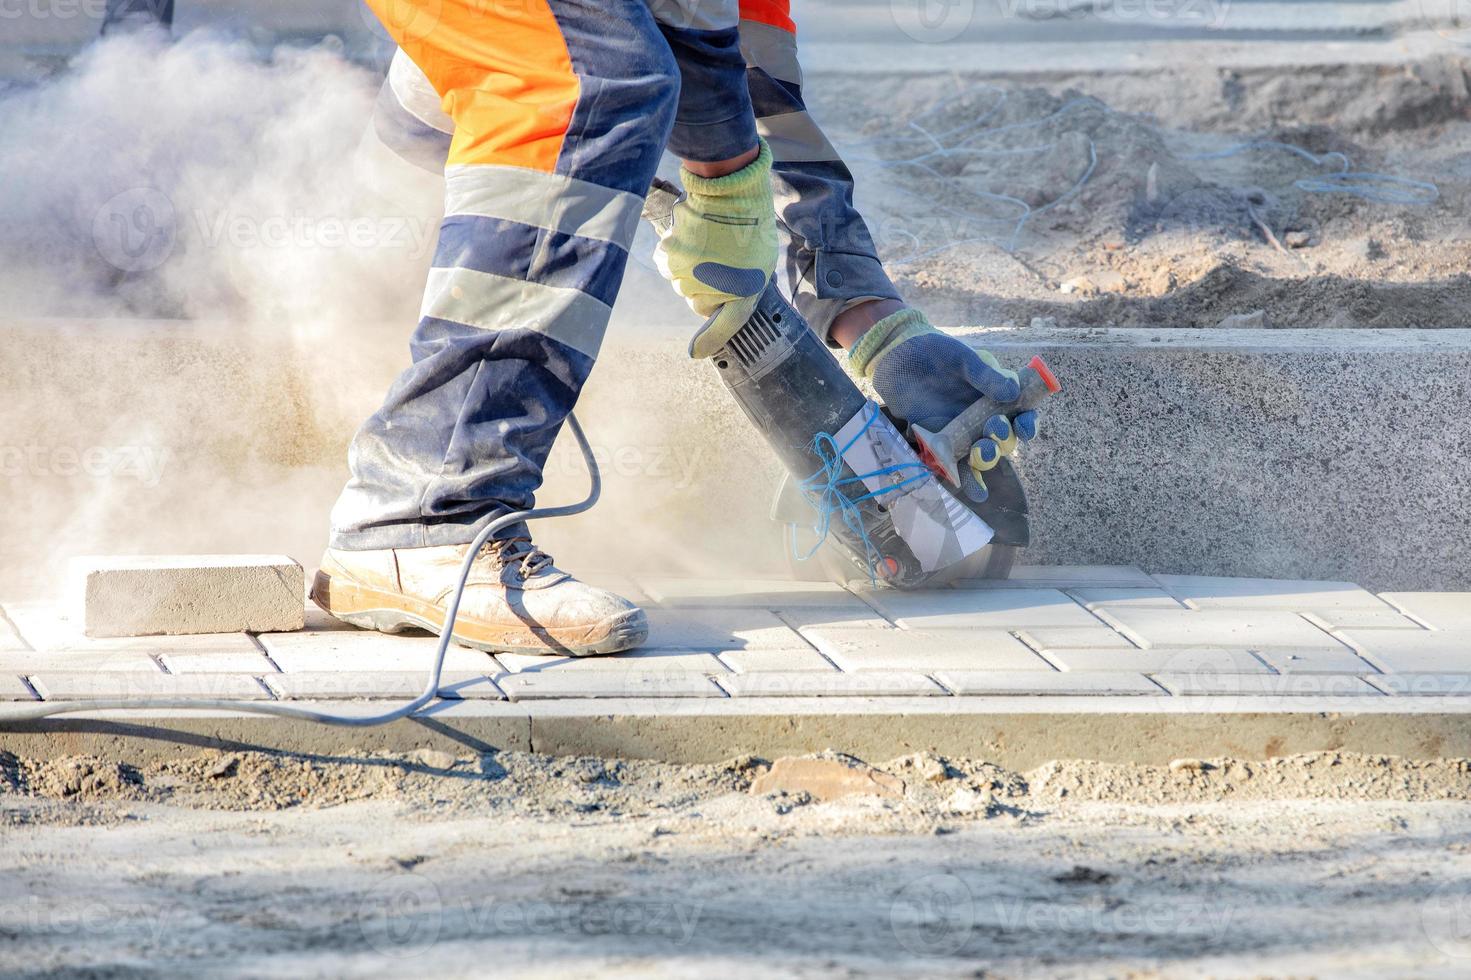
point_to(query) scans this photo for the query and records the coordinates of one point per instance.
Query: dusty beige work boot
(516, 600)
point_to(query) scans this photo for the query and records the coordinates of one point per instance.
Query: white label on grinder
(939, 529)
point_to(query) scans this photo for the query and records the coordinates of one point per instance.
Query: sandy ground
(252, 865)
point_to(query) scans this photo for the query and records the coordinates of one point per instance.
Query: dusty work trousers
(548, 118)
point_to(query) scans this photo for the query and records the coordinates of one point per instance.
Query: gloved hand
(927, 378)
(720, 249)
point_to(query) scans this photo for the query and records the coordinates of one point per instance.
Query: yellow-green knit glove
(720, 249)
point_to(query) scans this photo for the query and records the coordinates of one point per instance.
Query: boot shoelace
(504, 551)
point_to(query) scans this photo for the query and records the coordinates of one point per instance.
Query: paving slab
(862, 616)
(1154, 598)
(746, 593)
(1422, 685)
(1096, 637)
(1136, 661)
(1315, 660)
(377, 684)
(1071, 682)
(1006, 609)
(718, 630)
(924, 650)
(69, 661)
(1226, 592)
(607, 684)
(12, 688)
(217, 663)
(357, 649)
(134, 684)
(1254, 629)
(1438, 610)
(810, 684)
(750, 661)
(1273, 685)
(316, 620)
(1360, 619)
(140, 595)
(44, 627)
(641, 660)
(1417, 652)
(1067, 577)
(10, 640)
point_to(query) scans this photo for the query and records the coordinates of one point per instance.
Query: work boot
(516, 600)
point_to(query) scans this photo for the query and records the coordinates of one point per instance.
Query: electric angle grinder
(903, 519)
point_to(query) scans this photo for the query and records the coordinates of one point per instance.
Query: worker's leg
(560, 109)
(137, 14)
(831, 259)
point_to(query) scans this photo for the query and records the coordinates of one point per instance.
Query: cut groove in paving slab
(1050, 639)
(1438, 610)
(640, 660)
(869, 683)
(377, 685)
(718, 630)
(12, 688)
(1413, 652)
(1221, 592)
(862, 616)
(746, 593)
(143, 595)
(70, 661)
(1315, 660)
(1360, 619)
(217, 663)
(1067, 577)
(925, 650)
(1273, 685)
(1254, 629)
(606, 684)
(368, 650)
(10, 640)
(750, 661)
(1003, 609)
(133, 684)
(42, 626)
(1134, 660)
(1027, 683)
(1154, 598)
(1422, 685)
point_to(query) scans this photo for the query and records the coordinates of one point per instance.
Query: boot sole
(387, 612)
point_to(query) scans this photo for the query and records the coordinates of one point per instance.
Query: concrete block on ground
(1294, 595)
(535, 685)
(377, 684)
(811, 684)
(135, 684)
(644, 660)
(1004, 609)
(1386, 618)
(1068, 577)
(1438, 610)
(143, 595)
(1413, 652)
(1071, 682)
(1096, 637)
(217, 663)
(1254, 629)
(745, 593)
(718, 630)
(44, 627)
(1134, 660)
(1274, 685)
(751, 661)
(925, 650)
(1422, 685)
(1154, 598)
(357, 649)
(12, 688)
(827, 779)
(1315, 660)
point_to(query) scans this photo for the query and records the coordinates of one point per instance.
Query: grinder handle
(940, 450)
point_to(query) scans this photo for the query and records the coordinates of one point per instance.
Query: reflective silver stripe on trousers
(412, 89)
(795, 138)
(696, 15)
(552, 201)
(771, 49)
(491, 302)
